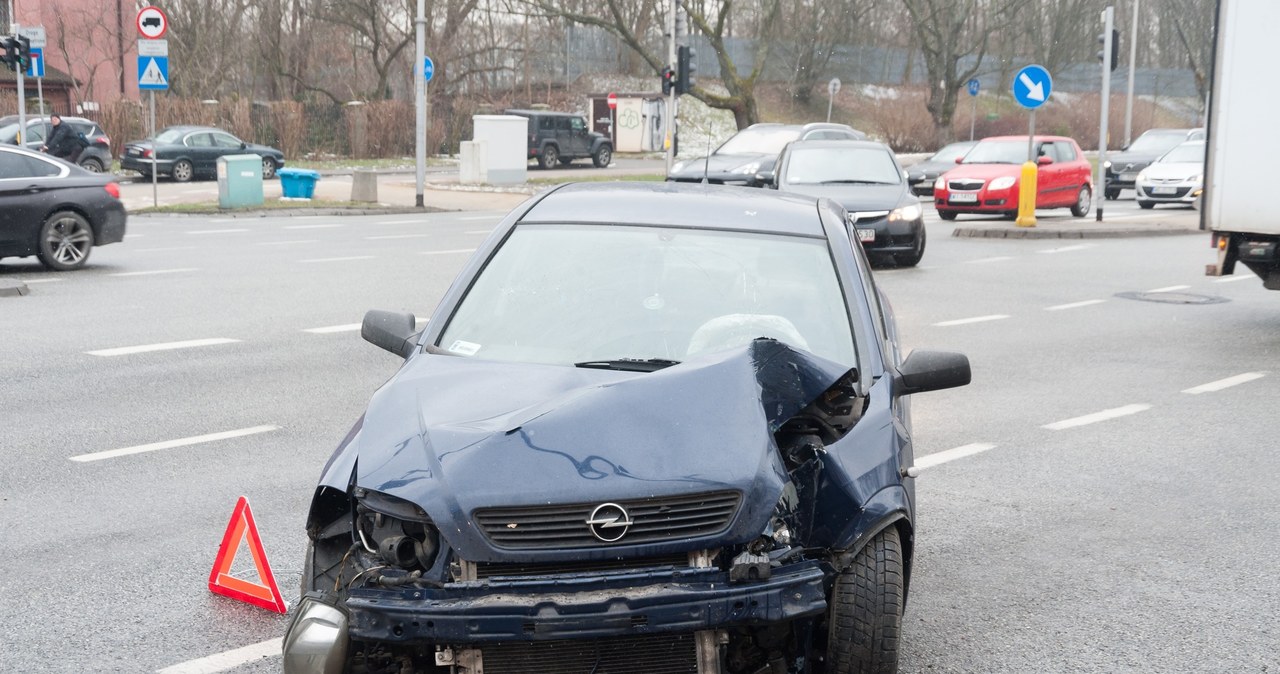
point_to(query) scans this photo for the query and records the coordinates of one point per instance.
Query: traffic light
(24, 52)
(1115, 48)
(10, 53)
(668, 80)
(686, 70)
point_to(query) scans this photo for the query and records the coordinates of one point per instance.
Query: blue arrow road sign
(36, 69)
(428, 68)
(153, 72)
(1032, 86)
(973, 87)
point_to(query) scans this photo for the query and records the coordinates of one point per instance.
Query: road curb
(297, 212)
(1073, 233)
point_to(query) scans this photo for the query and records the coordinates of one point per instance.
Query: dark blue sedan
(650, 428)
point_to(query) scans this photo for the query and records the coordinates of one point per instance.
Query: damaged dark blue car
(650, 428)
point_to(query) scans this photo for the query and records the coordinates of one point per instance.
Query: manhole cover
(1174, 298)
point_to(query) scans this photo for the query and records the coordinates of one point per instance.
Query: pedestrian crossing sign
(153, 72)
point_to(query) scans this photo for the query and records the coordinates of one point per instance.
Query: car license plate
(1128, 176)
(964, 197)
(133, 152)
(1163, 190)
(866, 235)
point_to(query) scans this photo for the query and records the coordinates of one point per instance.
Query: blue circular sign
(428, 68)
(973, 86)
(1032, 86)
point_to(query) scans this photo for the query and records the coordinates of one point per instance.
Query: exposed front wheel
(1112, 194)
(947, 215)
(1084, 198)
(603, 155)
(65, 241)
(1146, 204)
(92, 165)
(550, 155)
(864, 616)
(183, 171)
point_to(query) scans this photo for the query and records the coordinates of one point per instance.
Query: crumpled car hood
(455, 434)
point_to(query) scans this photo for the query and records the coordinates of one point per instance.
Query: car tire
(66, 239)
(947, 215)
(864, 615)
(1084, 199)
(1146, 204)
(1112, 195)
(602, 157)
(268, 168)
(550, 155)
(183, 171)
(92, 165)
(912, 258)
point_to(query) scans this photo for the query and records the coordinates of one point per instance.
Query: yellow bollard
(1027, 196)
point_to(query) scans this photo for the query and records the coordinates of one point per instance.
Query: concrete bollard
(364, 185)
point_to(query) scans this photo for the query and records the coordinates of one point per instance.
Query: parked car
(1177, 177)
(752, 150)
(96, 157)
(647, 426)
(1122, 167)
(561, 137)
(921, 176)
(988, 179)
(188, 152)
(54, 210)
(866, 179)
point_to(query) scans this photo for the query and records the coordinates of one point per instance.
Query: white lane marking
(334, 328)
(932, 460)
(221, 662)
(397, 222)
(399, 236)
(170, 444)
(1000, 258)
(39, 280)
(975, 319)
(1225, 383)
(1233, 279)
(340, 259)
(165, 249)
(285, 243)
(218, 231)
(1168, 289)
(449, 252)
(153, 272)
(165, 346)
(1094, 418)
(312, 226)
(1073, 305)
(1066, 249)
(480, 217)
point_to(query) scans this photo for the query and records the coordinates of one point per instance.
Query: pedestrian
(63, 141)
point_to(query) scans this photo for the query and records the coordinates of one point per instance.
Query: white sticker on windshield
(464, 348)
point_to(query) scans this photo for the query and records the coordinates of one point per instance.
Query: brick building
(91, 45)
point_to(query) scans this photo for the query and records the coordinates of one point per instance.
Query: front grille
(650, 654)
(663, 518)
(504, 569)
(866, 218)
(1176, 194)
(965, 185)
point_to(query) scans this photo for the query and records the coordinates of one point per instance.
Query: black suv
(563, 137)
(96, 157)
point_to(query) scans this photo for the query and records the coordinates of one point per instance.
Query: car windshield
(767, 140)
(566, 294)
(1187, 153)
(172, 136)
(998, 152)
(827, 165)
(1156, 143)
(949, 153)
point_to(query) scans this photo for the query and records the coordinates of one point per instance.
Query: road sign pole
(1107, 19)
(973, 117)
(420, 105)
(155, 155)
(40, 93)
(1133, 56)
(670, 140)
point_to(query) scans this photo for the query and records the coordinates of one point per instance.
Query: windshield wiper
(629, 364)
(854, 182)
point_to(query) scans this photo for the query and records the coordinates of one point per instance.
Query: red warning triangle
(264, 594)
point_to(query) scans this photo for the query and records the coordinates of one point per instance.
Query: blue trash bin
(298, 183)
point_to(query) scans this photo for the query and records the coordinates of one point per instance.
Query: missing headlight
(396, 530)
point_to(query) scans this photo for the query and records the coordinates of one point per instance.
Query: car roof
(543, 113)
(841, 144)
(672, 204)
(1024, 138)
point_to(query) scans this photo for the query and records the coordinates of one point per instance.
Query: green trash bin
(298, 183)
(239, 181)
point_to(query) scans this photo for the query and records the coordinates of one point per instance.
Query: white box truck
(1240, 205)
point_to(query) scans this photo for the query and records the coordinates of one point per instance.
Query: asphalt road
(1061, 541)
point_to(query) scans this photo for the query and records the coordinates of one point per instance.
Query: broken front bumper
(583, 607)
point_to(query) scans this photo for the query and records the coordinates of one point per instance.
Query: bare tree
(814, 30)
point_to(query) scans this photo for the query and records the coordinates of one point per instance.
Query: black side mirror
(393, 331)
(932, 371)
(766, 178)
(244, 145)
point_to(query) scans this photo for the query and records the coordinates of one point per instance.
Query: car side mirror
(932, 371)
(393, 331)
(1044, 161)
(767, 178)
(244, 145)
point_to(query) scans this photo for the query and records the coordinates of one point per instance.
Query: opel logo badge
(609, 522)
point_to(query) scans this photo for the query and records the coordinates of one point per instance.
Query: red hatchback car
(987, 179)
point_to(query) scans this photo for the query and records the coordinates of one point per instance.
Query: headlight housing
(940, 184)
(905, 213)
(748, 169)
(1002, 183)
(1106, 164)
(396, 530)
(1142, 176)
(677, 167)
(1195, 178)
